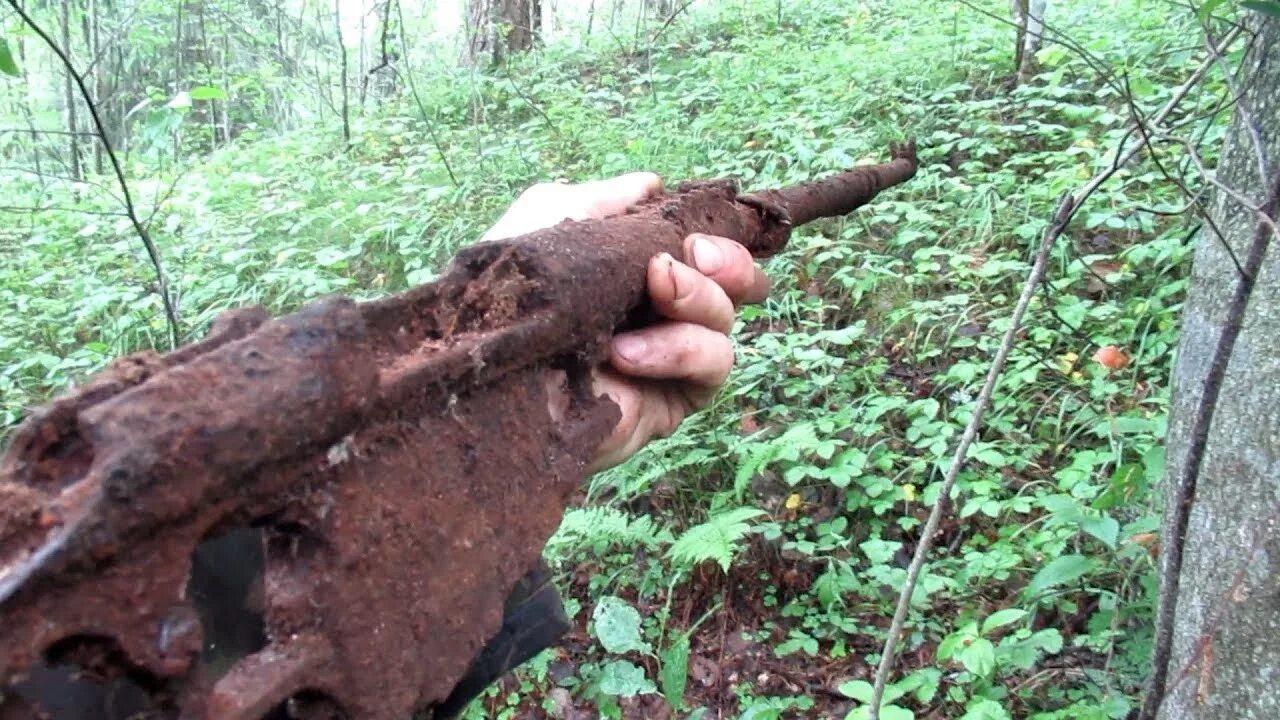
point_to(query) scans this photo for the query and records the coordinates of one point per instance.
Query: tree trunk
(225, 64)
(1028, 18)
(497, 28)
(93, 26)
(205, 66)
(1226, 661)
(69, 94)
(362, 61)
(179, 54)
(1033, 38)
(342, 55)
(662, 9)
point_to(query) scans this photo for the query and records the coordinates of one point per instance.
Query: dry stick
(1185, 491)
(32, 209)
(1229, 191)
(1242, 103)
(1061, 217)
(162, 284)
(1066, 210)
(670, 19)
(417, 99)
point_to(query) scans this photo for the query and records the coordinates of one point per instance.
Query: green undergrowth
(793, 503)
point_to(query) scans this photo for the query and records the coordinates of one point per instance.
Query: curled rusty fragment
(397, 455)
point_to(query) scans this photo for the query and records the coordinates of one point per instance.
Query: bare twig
(667, 23)
(386, 57)
(41, 131)
(162, 284)
(1184, 492)
(1243, 109)
(1209, 176)
(546, 119)
(1066, 210)
(1053, 35)
(1193, 199)
(417, 99)
(1066, 207)
(59, 208)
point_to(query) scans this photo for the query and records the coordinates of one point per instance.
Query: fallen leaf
(1096, 281)
(1111, 357)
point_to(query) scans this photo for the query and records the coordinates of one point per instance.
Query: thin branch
(1193, 199)
(1243, 109)
(44, 176)
(162, 284)
(1062, 216)
(386, 57)
(1067, 209)
(1264, 218)
(1059, 37)
(1184, 492)
(670, 19)
(41, 131)
(346, 97)
(417, 99)
(532, 103)
(59, 208)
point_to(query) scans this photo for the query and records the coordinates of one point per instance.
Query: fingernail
(707, 255)
(630, 347)
(674, 271)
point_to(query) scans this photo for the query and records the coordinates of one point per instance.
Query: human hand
(658, 374)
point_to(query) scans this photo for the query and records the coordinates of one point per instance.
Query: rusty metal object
(398, 455)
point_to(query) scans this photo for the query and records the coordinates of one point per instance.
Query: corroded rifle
(391, 468)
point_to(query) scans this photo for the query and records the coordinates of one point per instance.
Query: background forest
(277, 150)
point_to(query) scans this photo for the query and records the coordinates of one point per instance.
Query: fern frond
(716, 539)
(599, 528)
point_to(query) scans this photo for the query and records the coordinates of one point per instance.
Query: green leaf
(859, 690)
(984, 709)
(1153, 462)
(1000, 618)
(887, 712)
(206, 92)
(1060, 571)
(979, 658)
(617, 626)
(1104, 527)
(7, 64)
(675, 671)
(1266, 7)
(716, 539)
(923, 683)
(624, 679)
(1208, 7)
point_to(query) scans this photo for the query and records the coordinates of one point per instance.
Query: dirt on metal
(398, 457)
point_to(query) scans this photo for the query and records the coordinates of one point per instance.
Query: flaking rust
(398, 456)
